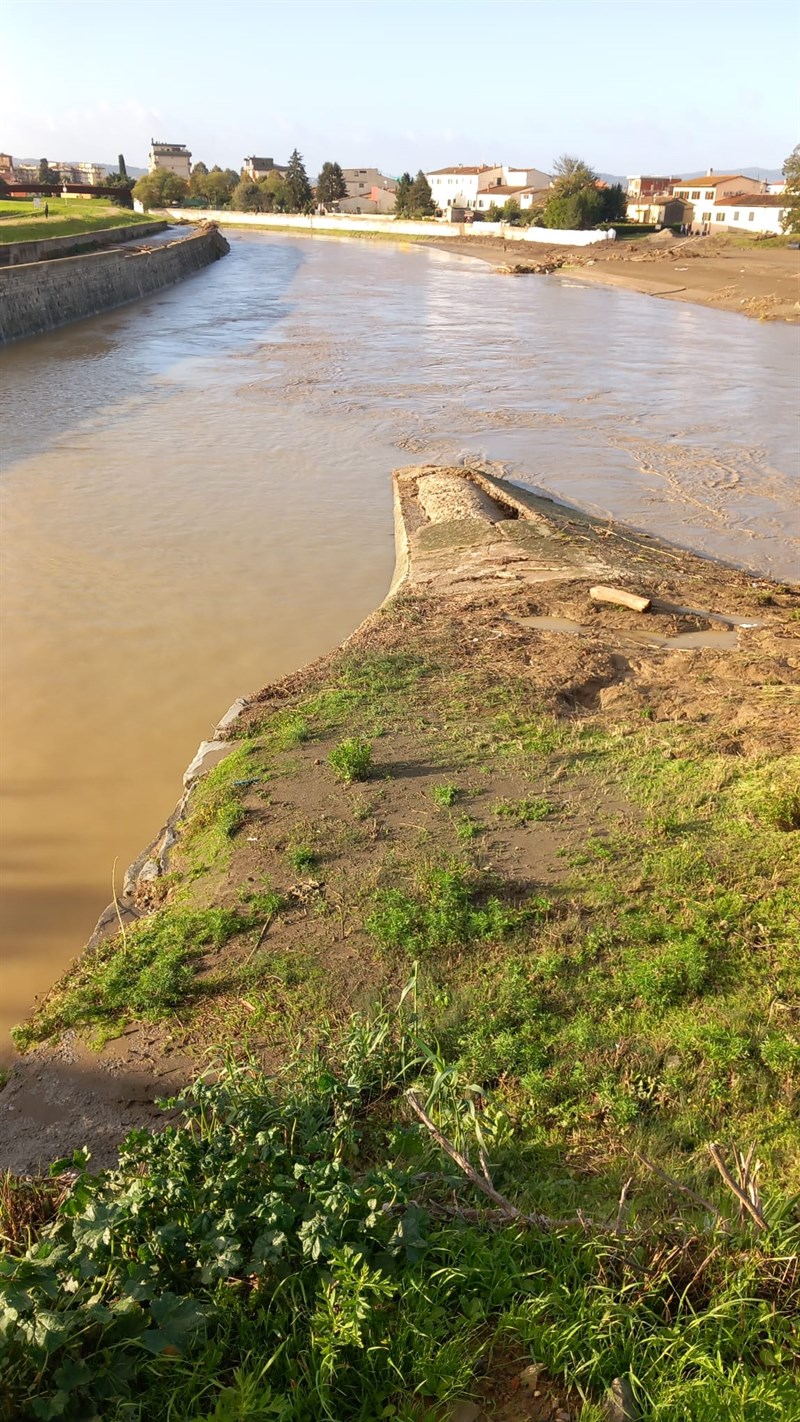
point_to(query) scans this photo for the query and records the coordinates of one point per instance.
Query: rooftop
(712, 180)
(751, 200)
(460, 170)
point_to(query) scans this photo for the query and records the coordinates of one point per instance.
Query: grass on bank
(303, 1250)
(21, 222)
(642, 1002)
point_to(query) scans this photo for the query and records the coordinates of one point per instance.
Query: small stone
(465, 1412)
(529, 1377)
(620, 1404)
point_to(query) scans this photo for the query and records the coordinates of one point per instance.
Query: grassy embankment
(597, 910)
(21, 222)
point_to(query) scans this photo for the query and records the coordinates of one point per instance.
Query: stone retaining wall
(42, 295)
(13, 254)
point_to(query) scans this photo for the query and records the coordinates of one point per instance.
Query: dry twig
(742, 1196)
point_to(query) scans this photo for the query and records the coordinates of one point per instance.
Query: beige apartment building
(175, 157)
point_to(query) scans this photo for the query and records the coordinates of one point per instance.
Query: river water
(196, 499)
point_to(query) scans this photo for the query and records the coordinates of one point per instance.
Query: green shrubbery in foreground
(303, 1250)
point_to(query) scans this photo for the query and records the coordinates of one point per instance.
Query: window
(711, 194)
(696, 194)
(706, 217)
(736, 217)
(751, 217)
(720, 217)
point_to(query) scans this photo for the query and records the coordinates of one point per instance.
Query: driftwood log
(620, 598)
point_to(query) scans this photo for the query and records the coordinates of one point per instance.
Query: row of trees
(575, 199)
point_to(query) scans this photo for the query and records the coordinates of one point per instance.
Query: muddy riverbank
(272, 863)
(722, 272)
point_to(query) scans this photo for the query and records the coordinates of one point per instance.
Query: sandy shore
(759, 281)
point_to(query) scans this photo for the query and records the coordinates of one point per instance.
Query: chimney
(710, 173)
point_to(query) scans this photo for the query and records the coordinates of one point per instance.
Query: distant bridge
(121, 196)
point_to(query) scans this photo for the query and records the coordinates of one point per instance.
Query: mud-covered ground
(726, 272)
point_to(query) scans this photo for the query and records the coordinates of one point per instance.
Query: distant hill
(112, 167)
(767, 175)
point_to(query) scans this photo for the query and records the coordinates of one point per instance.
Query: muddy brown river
(196, 499)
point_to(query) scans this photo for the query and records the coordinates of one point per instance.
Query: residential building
(711, 188)
(642, 188)
(257, 168)
(659, 210)
(377, 200)
(175, 157)
(478, 187)
(361, 181)
(459, 186)
(6, 165)
(756, 213)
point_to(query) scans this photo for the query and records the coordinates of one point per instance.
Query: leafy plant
(300, 856)
(447, 912)
(444, 795)
(529, 809)
(351, 759)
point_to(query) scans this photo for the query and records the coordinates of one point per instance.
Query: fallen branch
(623, 1195)
(742, 1197)
(619, 597)
(679, 1185)
(483, 1182)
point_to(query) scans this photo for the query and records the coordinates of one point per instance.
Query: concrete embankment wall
(42, 295)
(14, 254)
(330, 225)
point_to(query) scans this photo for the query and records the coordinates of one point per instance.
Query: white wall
(739, 217)
(388, 226)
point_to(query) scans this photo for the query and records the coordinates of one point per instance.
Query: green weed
(351, 759)
(525, 811)
(444, 795)
(448, 911)
(300, 857)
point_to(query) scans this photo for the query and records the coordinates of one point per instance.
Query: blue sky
(656, 86)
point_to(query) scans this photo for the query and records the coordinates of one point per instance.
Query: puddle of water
(720, 640)
(554, 624)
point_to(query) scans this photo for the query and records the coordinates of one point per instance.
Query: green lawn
(22, 222)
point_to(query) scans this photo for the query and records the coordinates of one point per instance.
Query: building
(361, 181)
(175, 157)
(257, 168)
(660, 210)
(6, 165)
(711, 187)
(642, 189)
(478, 187)
(378, 200)
(756, 213)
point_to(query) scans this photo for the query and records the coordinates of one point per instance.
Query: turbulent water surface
(196, 499)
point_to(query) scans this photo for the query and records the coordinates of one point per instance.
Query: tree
(402, 195)
(575, 200)
(791, 172)
(298, 184)
(161, 189)
(123, 172)
(46, 173)
(512, 213)
(331, 185)
(421, 197)
(246, 196)
(218, 187)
